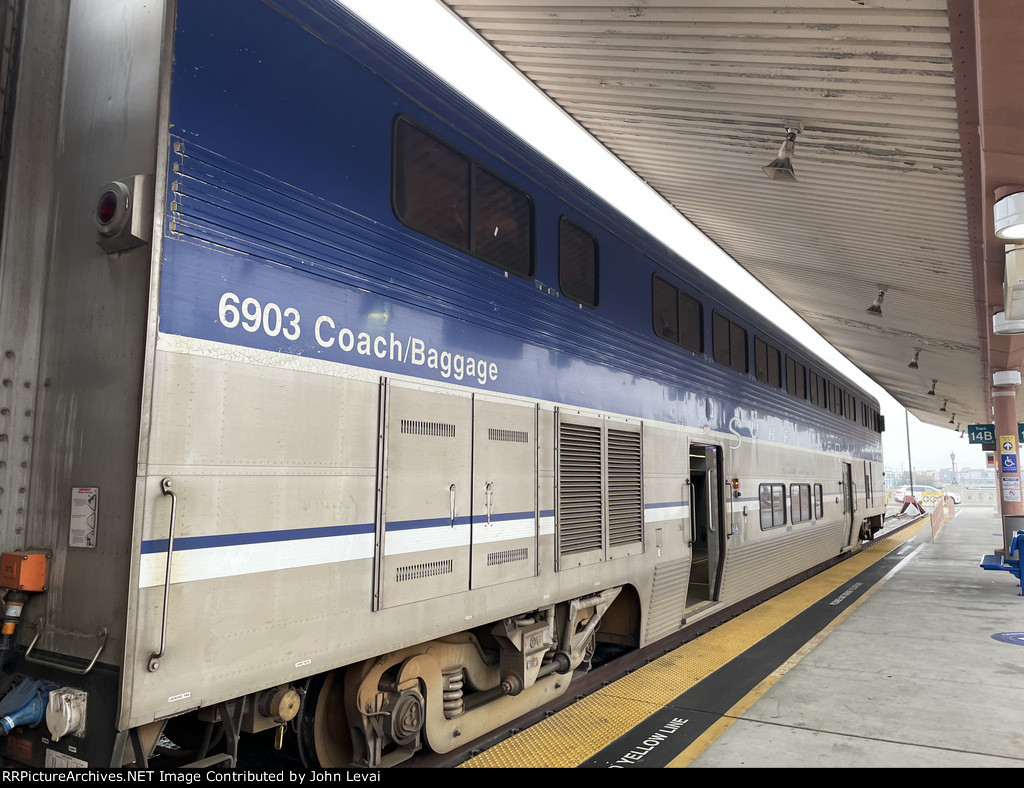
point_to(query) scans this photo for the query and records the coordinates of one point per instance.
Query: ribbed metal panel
(625, 488)
(579, 488)
(9, 20)
(695, 98)
(757, 565)
(668, 599)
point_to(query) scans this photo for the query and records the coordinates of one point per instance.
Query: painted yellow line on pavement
(576, 733)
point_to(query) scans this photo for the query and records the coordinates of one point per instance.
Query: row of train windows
(442, 193)
(772, 499)
(678, 318)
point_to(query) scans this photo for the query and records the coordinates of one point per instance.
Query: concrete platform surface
(927, 671)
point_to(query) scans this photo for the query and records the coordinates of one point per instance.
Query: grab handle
(451, 492)
(154, 659)
(689, 509)
(40, 626)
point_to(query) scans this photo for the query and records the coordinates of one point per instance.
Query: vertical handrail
(154, 659)
(689, 508)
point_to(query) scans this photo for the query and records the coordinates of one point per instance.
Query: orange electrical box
(23, 571)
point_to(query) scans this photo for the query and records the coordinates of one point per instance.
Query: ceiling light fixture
(943, 408)
(876, 305)
(781, 167)
(931, 391)
(913, 362)
(1008, 216)
(951, 419)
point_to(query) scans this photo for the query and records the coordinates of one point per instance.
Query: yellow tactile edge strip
(706, 739)
(576, 733)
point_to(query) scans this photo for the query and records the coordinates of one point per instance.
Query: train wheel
(325, 740)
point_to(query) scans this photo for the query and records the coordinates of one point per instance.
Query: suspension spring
(452, 702)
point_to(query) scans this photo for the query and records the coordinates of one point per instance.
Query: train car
(330, 407)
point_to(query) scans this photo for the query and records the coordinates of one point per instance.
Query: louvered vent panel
(431, 428)
(579, 488)
(625, 492)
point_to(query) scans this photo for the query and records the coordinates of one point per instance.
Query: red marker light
(107, 208)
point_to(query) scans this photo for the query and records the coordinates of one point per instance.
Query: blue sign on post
(1009, 463)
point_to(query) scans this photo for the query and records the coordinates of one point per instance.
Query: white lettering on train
(252, 316)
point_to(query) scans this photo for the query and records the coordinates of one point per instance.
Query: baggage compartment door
(423, 520)
(504, 493)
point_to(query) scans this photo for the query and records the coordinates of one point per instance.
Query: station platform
(907, 654)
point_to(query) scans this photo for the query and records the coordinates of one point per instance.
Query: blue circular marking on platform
(1014, 638)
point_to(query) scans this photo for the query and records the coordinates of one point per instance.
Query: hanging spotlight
(943, 408)
(876, 305)
(951, 418)
(931, 391)
(917, 355)
(781, 167)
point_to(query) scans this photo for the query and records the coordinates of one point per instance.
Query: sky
(435, 37)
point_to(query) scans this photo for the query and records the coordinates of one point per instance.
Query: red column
(1004, 405)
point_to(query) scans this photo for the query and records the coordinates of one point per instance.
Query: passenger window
(796, 378)
(767, 363)
(431, 187)
(691, 323)
(772, 500)
(678, 316)
(817, 390)
(819, 502)
(729, 342)
(501, 225)
(439, 192)
(800, 502)
(666, 316)
(577, 263)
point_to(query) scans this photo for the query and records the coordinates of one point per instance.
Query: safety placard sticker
(84, 507)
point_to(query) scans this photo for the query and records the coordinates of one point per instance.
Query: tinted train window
(729, 342)
(851, 406)
(678, 316)
(800, 502)
(767, 363)
(796, 378)
(441, 193)
(501, 224)
(819, 502)
(772, 500)
(817, 390)
(835, 401)
(431, 188)
(577, 263)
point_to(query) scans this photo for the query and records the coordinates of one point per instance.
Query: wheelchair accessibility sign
(1009, 463)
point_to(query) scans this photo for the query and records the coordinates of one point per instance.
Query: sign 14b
(986, 433)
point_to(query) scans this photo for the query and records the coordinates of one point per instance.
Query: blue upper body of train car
(295, 225)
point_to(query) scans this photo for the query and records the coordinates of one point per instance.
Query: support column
(1004, 406)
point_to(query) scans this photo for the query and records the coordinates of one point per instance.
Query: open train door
(849, 503)
(707, 531)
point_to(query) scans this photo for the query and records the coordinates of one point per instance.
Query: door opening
(707, 538)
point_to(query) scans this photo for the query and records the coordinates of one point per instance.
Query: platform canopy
(906, 117)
